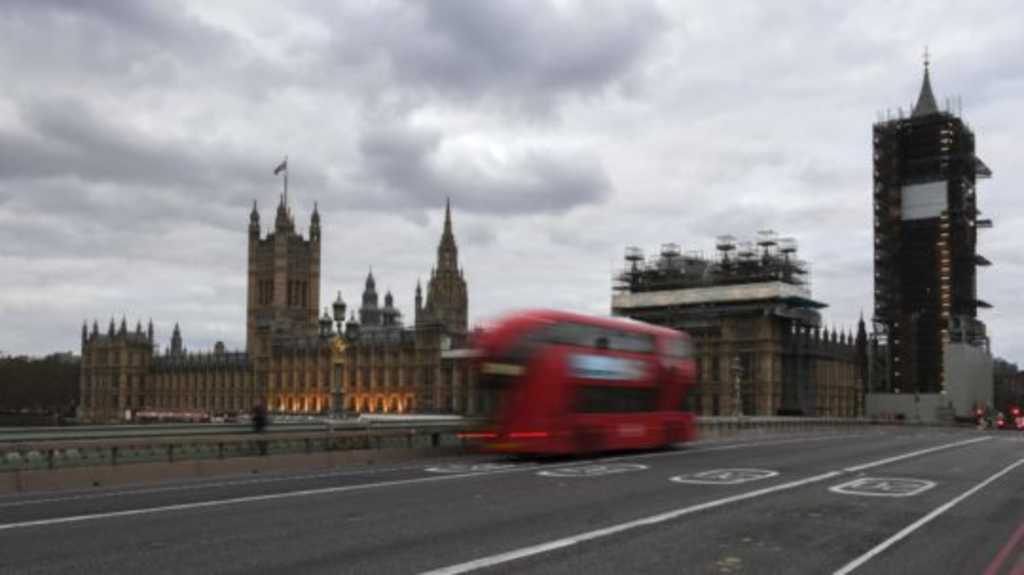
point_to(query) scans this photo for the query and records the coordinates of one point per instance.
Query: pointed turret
(110, 328)
(254, 221)
(124, 327)
(314, 223)
(95, 328)
(176, 343)
(138, 327)
(926, 99)
(446, 301)
(85, 332)
(283, 221)
(149, 331)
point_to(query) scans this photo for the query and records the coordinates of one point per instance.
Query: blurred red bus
(559, 383)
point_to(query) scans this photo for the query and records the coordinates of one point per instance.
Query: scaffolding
(766, 259)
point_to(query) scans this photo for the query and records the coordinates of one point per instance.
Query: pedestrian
(259, 424)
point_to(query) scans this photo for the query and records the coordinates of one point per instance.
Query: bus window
(679, 348)
(568, 333)
(631, 342)
(609, 399)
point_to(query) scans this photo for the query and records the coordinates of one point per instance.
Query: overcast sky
(134, 137)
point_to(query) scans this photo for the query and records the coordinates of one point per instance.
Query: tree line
(39, 385)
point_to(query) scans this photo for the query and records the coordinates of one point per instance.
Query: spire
(149, 330)
(138, 327)
(314, 223)
(110, 329)
(95, 328)
(448, 216)
(254, 215)
(282, 221)
(926, 99)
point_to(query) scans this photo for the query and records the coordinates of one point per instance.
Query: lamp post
(325, 325)
(339, 313)
(336, 376)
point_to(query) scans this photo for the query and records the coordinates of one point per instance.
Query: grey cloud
(521, 56)
(402, 171)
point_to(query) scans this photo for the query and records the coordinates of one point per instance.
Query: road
(875, 501)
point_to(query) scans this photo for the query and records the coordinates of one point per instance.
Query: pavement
(912, 500)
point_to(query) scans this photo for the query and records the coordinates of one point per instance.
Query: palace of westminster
(760, 346)
(295, 361)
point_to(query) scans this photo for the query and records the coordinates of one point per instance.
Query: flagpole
(286, 181)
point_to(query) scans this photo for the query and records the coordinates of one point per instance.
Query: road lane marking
(883, 487)
(598, 470)
(888, 460)
(1004, 552)
(524, 552)
(532, 550)
(698, 447)
(345, 488)
(906, 531)
(468, 467)
(724, 476)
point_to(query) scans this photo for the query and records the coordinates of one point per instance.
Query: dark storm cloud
(404, 170)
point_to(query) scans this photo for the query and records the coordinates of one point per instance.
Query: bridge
(756, 499)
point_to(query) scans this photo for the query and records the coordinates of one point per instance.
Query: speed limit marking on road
(593, 470)
(724, 476)
(469, 468)
(883, 487)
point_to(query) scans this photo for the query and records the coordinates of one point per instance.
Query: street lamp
(325, 324)
(339, 312)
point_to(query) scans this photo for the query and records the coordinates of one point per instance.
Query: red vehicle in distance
(562, 383)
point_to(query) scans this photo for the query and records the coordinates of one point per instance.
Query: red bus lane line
(697, 448)
(338, 489)
(1004, 553)
(909, 529)
(532, 550)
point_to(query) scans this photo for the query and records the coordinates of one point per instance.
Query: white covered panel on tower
(924, 201)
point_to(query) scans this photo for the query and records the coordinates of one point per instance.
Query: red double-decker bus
(560, 383)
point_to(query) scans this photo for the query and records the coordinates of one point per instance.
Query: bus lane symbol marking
(593, 470)
(468, 468)
(724, 476)
(883, 487)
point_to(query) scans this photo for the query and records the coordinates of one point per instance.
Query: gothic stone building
(756, 330)
(293, 361)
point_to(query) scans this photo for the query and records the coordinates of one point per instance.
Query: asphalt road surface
(874, 501)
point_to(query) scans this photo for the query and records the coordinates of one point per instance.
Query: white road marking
(467, 467)
(883, 487)
(645, 521)
(204, 485)
(894, 459)
(903, 533)
(236, 500)
(598, 470)
(699, 448)
(724, 476)
(541, 548)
